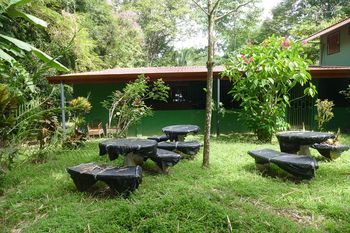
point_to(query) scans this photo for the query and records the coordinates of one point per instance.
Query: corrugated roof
(328, 29)
(190, 73)
(151, 70)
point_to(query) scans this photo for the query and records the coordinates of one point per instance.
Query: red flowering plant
(262, 76)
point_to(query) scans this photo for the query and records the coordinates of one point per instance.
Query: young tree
(262, 77)
(215, 11)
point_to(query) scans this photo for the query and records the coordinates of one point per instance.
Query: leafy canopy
(11, 47)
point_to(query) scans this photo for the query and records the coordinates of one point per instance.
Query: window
(333, 43)
(183, 95)
(179, 94)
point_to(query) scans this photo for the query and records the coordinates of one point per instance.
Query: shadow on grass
(273, 171)
(237, 138)
(99, 191)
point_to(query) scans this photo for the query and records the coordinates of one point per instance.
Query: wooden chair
(95, 131)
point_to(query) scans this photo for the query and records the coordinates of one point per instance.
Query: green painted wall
(97, 93)
(328, 88)
(341, 58)
(152, 125)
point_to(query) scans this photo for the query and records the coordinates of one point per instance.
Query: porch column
(63, 110)
(218, 107)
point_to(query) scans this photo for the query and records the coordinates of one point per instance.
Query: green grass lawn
(43, 198)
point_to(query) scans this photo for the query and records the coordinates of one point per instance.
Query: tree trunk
(209, 95)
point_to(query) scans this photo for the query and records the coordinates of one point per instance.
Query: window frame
(331, 38)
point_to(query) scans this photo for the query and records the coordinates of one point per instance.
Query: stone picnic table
(136, 151)
(298, 142)
(179, 132)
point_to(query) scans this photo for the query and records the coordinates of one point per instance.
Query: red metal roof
(187, 73)
(190, 73)
(330, 71)
(327, 30)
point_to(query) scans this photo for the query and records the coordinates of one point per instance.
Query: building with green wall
(186, 103)
(335, 61)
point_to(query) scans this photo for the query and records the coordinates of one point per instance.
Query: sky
(200, 40)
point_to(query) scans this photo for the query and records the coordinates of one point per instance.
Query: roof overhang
(318, 72)
(173, 74)
(118, 75)
(327, 30)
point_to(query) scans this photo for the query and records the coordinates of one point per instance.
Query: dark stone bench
(103, 146)
(166, 159)
(120, 180)
(161, 138)
(330, 151)
(297, 165)
(188, 148)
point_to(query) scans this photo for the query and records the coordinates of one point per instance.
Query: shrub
(346, 93)
(128, 106)
(324, 112)
(262, 76)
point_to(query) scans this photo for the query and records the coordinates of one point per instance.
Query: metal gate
(301, 112)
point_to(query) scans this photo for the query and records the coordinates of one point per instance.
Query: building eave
(128, 74)
(175, 74)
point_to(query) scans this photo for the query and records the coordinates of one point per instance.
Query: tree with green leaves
(262, 76)
(158, 21)
(215, 11)
(11, 47)
(290, 14)
(238, 29)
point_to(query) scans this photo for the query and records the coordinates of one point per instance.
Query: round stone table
(179, 132)
(298, 142)
(134, 150)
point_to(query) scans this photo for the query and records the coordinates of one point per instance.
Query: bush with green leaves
(78, 107)
(262, 76)
(27, 114)
(346, 93)
(127, 107)
(324, 112)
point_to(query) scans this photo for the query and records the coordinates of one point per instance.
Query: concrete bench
(120, 180)
(188, 148)
(103, 146)
(297, 165)
(161, 138)
(166, 159)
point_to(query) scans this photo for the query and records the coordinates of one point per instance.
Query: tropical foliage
(128, 106)
(262, 76)
(11, 47)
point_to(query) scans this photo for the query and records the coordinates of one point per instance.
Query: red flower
(286, 42)
(246, 60)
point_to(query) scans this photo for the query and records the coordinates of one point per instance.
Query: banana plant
(11, 47)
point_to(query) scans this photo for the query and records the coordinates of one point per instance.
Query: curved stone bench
(188, 148)
(161, 138)
(166, 159)
(120, 180)
(330, 151)
(297, 165)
